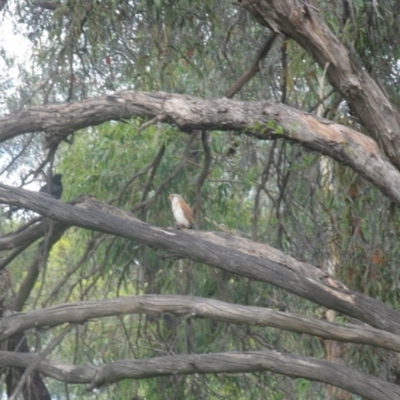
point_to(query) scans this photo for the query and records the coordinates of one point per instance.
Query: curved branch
(230, 253)
(367, 386)
(190, 307)
(27, 236)
(345, 73)
(264, 120)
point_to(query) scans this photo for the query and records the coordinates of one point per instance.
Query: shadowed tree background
(276, 191)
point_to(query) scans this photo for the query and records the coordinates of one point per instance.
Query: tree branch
(254, 67)
(185, 306)
(302, 22)
(234, 254)
(346, 378)
(55, 230)
(264, 120)
(29, 235)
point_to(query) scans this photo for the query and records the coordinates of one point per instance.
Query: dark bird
(55, 189)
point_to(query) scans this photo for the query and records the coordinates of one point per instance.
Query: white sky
(15, 45)
(18, 47)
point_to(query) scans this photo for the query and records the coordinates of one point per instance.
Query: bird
(56, 188)
(182, 212)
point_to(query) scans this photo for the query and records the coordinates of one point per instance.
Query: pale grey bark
(343, 144)
(231, 253)
(303, 23)
(191, 307)
(367, 386)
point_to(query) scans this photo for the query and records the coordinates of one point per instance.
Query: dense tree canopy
(278, 122)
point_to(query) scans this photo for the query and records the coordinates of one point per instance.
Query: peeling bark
(343, 144)
(190, 307)
(234, 362)
(230, 253)
(302, 23)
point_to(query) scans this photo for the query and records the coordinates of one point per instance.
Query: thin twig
(253, 69)
(166, 181)
(204, 173)
(40, 357)
(153, 121)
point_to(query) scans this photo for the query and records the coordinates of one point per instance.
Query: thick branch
(343, 144)
(29, 235)
(62, 119)
(303, 23)
(237, 255)
(196, 307)
(346, 378)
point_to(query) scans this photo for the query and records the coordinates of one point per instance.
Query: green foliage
(200, 48)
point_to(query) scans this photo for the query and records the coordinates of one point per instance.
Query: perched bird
(55, 190)
(56, 187)
(182, 212)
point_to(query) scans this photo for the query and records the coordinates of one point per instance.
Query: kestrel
(182, 212)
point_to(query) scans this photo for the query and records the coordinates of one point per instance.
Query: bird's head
(174, 196)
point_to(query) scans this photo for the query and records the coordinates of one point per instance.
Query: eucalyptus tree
(278, 122)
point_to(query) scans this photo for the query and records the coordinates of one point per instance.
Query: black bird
(56, 187)
(55, 190)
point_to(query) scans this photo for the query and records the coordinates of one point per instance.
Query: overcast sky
(16, 46)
